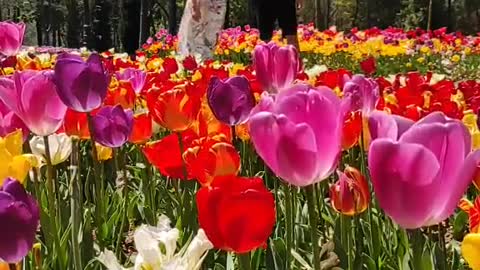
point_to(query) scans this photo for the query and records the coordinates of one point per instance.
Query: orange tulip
(123, 95)
(211, 157)
(350, 194)
(476, 178)
(76, 124)
(351, 130)
(173, 109)
(142, 129)
(473, 211)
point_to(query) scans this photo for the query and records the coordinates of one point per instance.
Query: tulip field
(358, 151)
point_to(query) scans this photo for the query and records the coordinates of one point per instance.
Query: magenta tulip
(298, 133)
(81, 85)
(384, 125)
(112, 126)
(10, 122)
(364, 93)
(11, 37)
(32, 96)
(276, 67)
(420, 178)
(136, 77)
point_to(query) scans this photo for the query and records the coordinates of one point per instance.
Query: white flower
(156, 248)
(315, 71)
(60, 147)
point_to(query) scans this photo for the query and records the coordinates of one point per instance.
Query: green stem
(123, 164)
(313, 216)
(98, 179)
(289, 224)
(52, 203)
(184, 202)
(244, 261)
(443, 245)
(75, 205)
(347, 221)
(416, 242)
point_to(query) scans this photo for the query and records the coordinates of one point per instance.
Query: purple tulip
(112, 126)
(10, 122)
(32, 96)
(82, 86)
(420, 178)
(136, 77)
(364, 93)
(12, 37)
(276, 67)
(298, 133)
(20, 216)
(231, 100)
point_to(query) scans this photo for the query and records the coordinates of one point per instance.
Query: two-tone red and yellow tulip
(350, 195)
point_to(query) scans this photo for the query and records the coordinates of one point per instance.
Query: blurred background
(125, 24)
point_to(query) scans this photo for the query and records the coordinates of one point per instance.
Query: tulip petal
(382, 125)
(471, 250)
(404, 170)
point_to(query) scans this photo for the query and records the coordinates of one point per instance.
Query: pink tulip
(420, 176)
(32, 96)
(10, 122)
(298, 133)
(276, 67)
(384, 125)
(11, 37)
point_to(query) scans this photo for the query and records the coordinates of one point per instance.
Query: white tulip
(60, 147)
(148, 240)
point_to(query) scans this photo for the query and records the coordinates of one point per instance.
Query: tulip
(136, 77)
(12, 37)
(157, 246)
(142, 129)
(350, 195)
(13, 162)
(32, 96)
(173, 109)
(76, 124)
(276, 67)
(231, 199)
(20, 216)
(208, 158)
(383, 125)
(432, 159)
(368, 66)
(82, 86)
(231, 100)
(294, 142)
(103, 153)
(10, 122)
(364, 93)
(473, 211)
(471, 250)
(60, 147)
(112, 126)
(352, 129)
(123, 95)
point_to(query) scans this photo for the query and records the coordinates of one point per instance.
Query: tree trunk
(318, 13)
(132, 27)
(172, 17)
(73, 24)
(252, 17)
(144, 4)
(429, 19)
(226, 23)
(39, 22)
(450, 17)
(87, 25)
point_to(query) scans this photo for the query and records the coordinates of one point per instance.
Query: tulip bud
(350, 194)
(37, 255)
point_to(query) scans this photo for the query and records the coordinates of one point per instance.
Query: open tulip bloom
(420, 173)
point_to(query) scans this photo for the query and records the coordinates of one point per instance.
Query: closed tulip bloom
(112, 126)
(20, 216)
(420, 177)
(82, 85)
(276, 67)
(231, 100)
(60, 147)
(136, 77)
(12, 37)
(384, 125)
(294, 142)
(32, 96)
(364, 93)
(76, 124)
(471, 250)
(234, 204)
(350, 194)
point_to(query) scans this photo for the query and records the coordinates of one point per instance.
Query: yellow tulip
(103, 153)
(12, 162)
(471, 250)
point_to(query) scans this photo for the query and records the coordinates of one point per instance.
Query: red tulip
(142, 129)
(350, 195)
(237, 214)
(368, 66)
(351, 130)
(76, 124)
